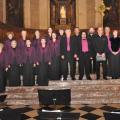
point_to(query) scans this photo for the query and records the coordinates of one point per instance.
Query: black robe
(114, 60)
(54, 69)
(29, 59)
(13, 59)
(2, 67)
(43, 58)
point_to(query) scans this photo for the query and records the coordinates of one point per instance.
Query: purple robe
(7, 44)
(2, 59)
(43, 54)
(55, 48)
(36, 43)
(21, 43)
(12, 56)
(29, 55)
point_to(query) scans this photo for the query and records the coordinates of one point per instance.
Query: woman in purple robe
(2, 67)
(7, 42)
(29, 62)
(36, 39)
(54, 70)
(13, 61)
(43, 61)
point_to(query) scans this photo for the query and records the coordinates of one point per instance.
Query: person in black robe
(13, 61)
(76, 39)
(101, 51)
(43, 62)
(29, 62)
(55, 58)
(114, 57)
(84, 55)
(2, 69)
(49, 34)
(67, 50)
(61, 36)
(91, 36)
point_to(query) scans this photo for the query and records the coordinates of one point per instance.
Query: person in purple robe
(54, 70)
(29, 62)
(36, 39)
(7, 42)
(43, 62)
(2, 68)
(12, 62)
(22, 45)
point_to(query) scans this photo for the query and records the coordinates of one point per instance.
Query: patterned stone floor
(87, 112)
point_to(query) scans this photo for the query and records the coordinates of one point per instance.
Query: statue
(63, 12)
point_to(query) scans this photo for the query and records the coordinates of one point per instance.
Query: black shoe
(98, 78)
(105, 78)
(73, 78)
(89, 78)
(80, 78)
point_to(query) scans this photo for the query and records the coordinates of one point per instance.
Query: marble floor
(87, 112)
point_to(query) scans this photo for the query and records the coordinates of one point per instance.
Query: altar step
(82, 92)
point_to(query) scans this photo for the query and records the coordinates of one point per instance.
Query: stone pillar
(27, 14)
(3, 11)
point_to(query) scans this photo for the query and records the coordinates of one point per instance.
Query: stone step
(73, 95)
(82, 88)
(82, 92)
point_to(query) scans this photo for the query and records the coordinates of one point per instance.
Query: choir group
(47, 57)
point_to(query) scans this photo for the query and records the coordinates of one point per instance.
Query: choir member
(67, 49)
(108, 35)
(54, 70)
(76, 38)
(29, 61)
(21, 46)
(91, 36)
(43, 62)
(2, 67)
(36, 39)
(13, 60)
(115, 56)
(101, 50)
(84, 55)
(22, 40)
(7, 42)
(61, 36)
(49, 34)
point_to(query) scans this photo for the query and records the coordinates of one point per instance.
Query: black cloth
(101, 46)
(115, 44)
(2, 80)
(91, 38)
(42, 79)
(28, 76)
(114, 60)
(14, 75)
